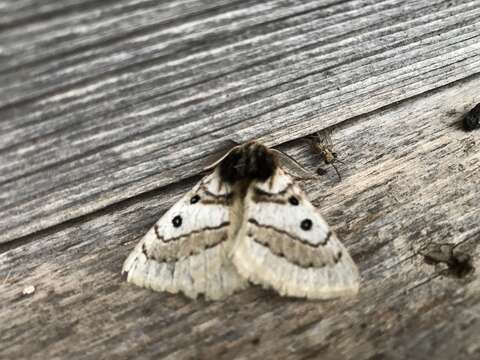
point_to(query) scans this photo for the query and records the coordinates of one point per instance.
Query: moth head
(251, 161)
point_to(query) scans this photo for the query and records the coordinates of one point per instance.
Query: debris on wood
(471, 121)
(28, 290)
(459, 263)
(7, 277)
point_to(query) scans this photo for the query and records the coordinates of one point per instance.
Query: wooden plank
(126, 123)
(95, 24)
(18, 12)
(407, 182)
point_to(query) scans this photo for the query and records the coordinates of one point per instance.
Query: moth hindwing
(248, 221)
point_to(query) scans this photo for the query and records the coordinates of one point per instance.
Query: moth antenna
(232, 145)
(270, 181)
(294, 166)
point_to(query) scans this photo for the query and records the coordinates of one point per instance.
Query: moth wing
(284, 243)
(187, 249)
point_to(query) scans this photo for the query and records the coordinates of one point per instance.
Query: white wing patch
(285, 244)
(187, 249)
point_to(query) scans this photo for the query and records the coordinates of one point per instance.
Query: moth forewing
(187, 249)
(285, 244)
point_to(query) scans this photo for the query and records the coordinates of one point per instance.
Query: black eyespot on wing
(195, 199)
(177, 221)
(306, 224)
(293, 200)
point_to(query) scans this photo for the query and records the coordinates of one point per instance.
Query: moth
(246, 222)
(471, 120)
(459, 263)
(322, 144)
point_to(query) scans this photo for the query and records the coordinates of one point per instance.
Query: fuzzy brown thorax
(244, 163)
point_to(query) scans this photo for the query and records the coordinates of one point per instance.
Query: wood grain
(103, 101)
(410, 179)
(110, 109)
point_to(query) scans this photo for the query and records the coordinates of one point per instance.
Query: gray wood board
(103, 101)
(411, 178)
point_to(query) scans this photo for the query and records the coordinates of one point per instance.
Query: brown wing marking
(186, 245)
(294, 249)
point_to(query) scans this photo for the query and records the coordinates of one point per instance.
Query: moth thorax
(252, 161)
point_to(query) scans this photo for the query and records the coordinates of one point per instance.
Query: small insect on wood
(471, 120)
(459, 263)
(322, 144)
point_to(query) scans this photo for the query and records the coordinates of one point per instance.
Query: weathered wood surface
(109, 108)
(99, 100)
(411, 178)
